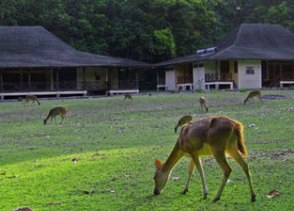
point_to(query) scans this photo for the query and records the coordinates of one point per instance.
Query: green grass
(115, 143)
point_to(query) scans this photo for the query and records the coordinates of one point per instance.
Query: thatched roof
(248, 41)
(34, 46)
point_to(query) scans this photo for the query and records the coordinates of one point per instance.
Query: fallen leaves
(53, 203)
(88, 192)
(75, 160)
(23, 209)
(175, 178)
(3, 173)
(253, 126)
(273, 194)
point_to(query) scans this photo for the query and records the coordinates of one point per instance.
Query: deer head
(160, 177)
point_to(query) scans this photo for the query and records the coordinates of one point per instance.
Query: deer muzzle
(156, 192)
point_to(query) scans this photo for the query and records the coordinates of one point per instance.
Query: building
(252, 56)
(34, 61)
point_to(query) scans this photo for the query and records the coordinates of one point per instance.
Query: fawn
(61, 111)
(253, 94)
(203, 104)
(183, 121)
(128, 96)
(32, 99)
(216, 136)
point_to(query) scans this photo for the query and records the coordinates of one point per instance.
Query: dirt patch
(273, 97)
(283, 154)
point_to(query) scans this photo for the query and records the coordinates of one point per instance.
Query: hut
(35, 61)
(252, 56)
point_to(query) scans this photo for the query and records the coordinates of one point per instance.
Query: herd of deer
(212, 136)
(216, 136)
(56, 111)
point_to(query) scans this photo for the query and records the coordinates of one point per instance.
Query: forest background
(146, 30)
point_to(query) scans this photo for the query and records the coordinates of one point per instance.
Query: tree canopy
(148, 30)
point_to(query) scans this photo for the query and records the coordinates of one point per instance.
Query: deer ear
(157, 164)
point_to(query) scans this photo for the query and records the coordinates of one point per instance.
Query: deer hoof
(185, 191)
(216, 199)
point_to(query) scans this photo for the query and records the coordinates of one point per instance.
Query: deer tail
(240, 139)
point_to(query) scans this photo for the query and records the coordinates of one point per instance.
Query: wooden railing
(67, 85)
(184, 79)
(209, 77)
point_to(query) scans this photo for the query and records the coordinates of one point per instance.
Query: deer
(203, 104)
(128, 96)
(61, 111)
(212, 136)
(186, 119)
(253, 94)
(32, 99)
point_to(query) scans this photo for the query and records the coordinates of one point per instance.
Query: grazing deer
(216, 136)
(61, 111)
(203, 104)
(128, 96)
(253, 94)
(32, 99)
(183, 121)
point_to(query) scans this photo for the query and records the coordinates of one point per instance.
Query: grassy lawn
(102, 157)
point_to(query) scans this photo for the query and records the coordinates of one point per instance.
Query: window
(250, 70)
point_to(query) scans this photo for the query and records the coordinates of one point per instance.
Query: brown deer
(203, 104)
(32, 99)
(253, 94)
(61, 111)
(216, 136)
(183, 121)
(128, 96)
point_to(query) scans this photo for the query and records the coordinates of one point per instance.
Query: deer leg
(198, 164)
(237, 157)
(61, 119)
(191, 170)
(221, 160)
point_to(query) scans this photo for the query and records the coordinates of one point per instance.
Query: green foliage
(150, 30)
(164, 43)
(102, 157)
(242, 90)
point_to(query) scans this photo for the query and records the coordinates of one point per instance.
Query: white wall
(199, 78)
(170, 79)
(250, 81)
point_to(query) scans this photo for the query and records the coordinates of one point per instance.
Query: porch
(225, 81)
(122, 87)
(277, 74)
(67, 88)
(45, 93)
(65, 81)
(185, 83)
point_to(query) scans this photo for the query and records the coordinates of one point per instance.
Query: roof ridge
(238, 34)
(227, 48)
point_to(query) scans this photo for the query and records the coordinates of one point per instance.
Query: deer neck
(172, 159)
